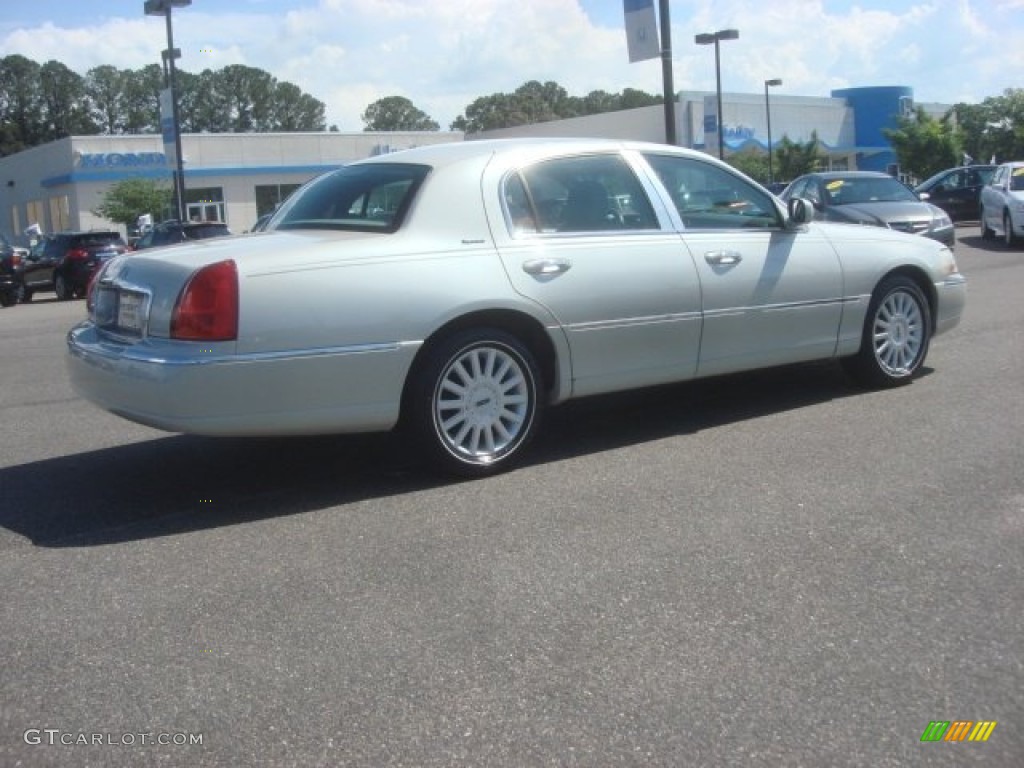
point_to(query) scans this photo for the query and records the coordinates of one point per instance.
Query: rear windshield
(200, 231)
(367, 198)
(97, 238)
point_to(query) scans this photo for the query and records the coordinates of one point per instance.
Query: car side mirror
(800, 209)
(925, 195)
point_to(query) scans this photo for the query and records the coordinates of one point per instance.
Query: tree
(20, 104)
(794, 159)
(104, 88)
(128, 199)
(752, 162)
(923, 145)
(294, 110)
(397, 113)
(536, 102)
(632, 99)
(994, 128)
(141, 105)
(64, 105)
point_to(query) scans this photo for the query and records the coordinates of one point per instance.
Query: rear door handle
(546, 266)
(722, 258)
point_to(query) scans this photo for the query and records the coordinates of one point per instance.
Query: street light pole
(163, 8)
(666, 73)
(708, 38)
(768, 114)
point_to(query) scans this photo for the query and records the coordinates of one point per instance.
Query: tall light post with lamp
(713, 38)
(163, 8)
(768, 114)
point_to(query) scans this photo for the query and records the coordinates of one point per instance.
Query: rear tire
(61, 288)
(1009, 239)
(986, 231)
(475, 403)
(897, 331)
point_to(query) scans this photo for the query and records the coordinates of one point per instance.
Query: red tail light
(207, 309)
(76, 254)
(91, 288)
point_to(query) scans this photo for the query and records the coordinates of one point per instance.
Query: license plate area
(120, 311)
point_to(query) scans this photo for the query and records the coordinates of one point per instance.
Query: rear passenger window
(591, 193)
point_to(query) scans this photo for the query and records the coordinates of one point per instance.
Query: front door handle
(546, 266)
(722, 258)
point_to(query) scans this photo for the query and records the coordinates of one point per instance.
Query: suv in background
(174, 232)
(65, 262)
(956, 190)
(10, 260)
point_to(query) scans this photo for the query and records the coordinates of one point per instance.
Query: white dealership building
(234, 178)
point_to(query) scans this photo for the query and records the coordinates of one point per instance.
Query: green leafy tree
(752, 162)
(128, 199)
(20, 104)
(294, 110)
(923, 144)
(397, 113)
(104, 89)
(141, 99)
(994, 128)
(64, 105)
(794, 159)
(536, 102)
(632, 99)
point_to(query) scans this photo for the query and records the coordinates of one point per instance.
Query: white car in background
(460, 289)
(1002, 204)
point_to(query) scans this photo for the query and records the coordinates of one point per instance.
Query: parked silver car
(460, 289)
(1002, 204)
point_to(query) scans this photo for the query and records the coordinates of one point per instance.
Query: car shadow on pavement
(177, 484)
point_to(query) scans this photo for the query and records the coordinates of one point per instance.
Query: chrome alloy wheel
(483, 403)
(899, 333)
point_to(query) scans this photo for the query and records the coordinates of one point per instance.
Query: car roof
(851, 175)
(451, 153)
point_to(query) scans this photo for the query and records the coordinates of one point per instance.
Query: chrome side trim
(599, 325)
(135, 355)
(785, 307)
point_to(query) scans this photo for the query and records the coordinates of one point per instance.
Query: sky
(443, 54)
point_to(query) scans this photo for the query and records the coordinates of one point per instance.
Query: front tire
(897, 331)
(476, 402)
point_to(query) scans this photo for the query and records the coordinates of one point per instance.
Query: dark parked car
(875, 199)
(173, 232)
(10, 260)
(65, 262)
(956, 190)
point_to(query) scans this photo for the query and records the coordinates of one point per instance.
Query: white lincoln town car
(458, 290)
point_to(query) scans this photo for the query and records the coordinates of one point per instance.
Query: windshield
(371, 197)
(868, 190)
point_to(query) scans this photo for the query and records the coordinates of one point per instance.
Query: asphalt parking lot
(767, 570)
